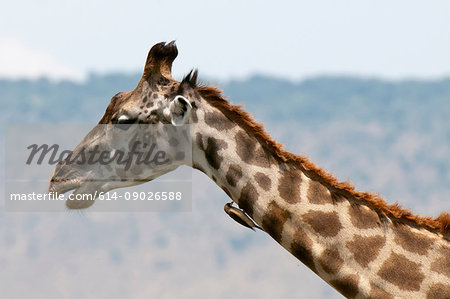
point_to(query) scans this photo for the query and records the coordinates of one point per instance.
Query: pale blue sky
(232, 39)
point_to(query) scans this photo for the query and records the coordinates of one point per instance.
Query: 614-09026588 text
(163, 195)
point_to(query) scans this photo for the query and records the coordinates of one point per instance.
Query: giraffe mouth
(61, 186)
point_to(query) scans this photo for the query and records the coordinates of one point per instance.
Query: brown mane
(394, 211)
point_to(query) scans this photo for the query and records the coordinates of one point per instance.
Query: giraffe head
(147, 123)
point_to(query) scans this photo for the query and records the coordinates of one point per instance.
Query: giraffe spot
(330, 261)
(234, 174)
(250, 151)
(365, 249)
(149, 104)
(144, 99)
(155, 96)
(199, 141)
(377, 292)
(347, 286)
(173, 141)
(442, 264)
(411, 241)
(213, 145)
(247, 199)
(245, 146)
(403, 273)
(289, 185)
(194, 115)
(301, 248)
(263, 181)
(218, 121)
(362, 217)
(318, 193)
(262, 157)
(179, 156)
(153, 115)
(438, 290)
(326, 224)
(274, 219)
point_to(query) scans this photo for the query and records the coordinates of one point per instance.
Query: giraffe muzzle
(63, 179)
(62, 186)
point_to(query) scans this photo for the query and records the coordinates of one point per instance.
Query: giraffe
(355, 241)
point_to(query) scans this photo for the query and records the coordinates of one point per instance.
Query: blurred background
(361, 87)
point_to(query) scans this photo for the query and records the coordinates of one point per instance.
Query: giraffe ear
(158, 66)
(178, 111)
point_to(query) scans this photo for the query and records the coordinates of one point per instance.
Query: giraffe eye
(123, 121)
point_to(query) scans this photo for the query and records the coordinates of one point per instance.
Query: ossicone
(158, 67)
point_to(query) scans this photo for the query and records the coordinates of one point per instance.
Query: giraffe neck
(352, 246)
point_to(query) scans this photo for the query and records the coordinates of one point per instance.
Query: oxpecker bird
(239, 216)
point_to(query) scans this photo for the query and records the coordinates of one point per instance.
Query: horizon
(212, 80)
